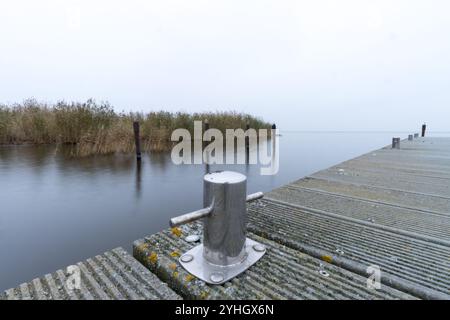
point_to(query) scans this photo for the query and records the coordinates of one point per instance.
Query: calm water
(56, 210)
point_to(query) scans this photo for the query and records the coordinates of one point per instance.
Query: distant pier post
(410, 137)
(137, 140)
(416, 135)
(395, 143)
(424, 128)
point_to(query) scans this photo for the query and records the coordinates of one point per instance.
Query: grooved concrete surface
(388, 208)
(282, 273)
(112, 275)
(413, 264)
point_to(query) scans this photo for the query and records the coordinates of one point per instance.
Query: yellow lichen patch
(175, 274)
(299, 255)
(153, 257)
(328, 259)
(172, 266)
(189, 278)
(176, 231)
(143, 246)
(204, 295)
(175, 254)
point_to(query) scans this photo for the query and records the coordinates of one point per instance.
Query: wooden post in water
(137, 140)
(273, 132)
(206, 127)
(424, 128)
(247, 143)
(273, 137)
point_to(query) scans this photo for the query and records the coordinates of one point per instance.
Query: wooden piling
(273, 134)
(273, 137)
(424, 128)
(247, 143)
(137, 140)
(205, 128)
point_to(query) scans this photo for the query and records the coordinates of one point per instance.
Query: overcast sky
(306, 65)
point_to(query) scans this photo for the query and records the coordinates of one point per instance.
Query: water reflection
(35, 157)
(138, 178)
(119, 163)
(159, 160)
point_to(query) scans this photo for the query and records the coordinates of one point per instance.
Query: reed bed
(95, 128)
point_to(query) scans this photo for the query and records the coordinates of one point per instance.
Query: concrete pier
(114, 275)
(283, 273)
(387, 210)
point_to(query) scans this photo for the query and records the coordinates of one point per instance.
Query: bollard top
(222, 177)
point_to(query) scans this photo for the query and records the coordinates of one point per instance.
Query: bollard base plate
(195, 264)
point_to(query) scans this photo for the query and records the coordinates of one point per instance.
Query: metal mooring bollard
(410, 137)
(226, 251)
(395, 143)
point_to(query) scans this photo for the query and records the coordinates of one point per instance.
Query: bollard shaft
(224, 230)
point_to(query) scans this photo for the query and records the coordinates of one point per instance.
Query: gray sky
(306, 65)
